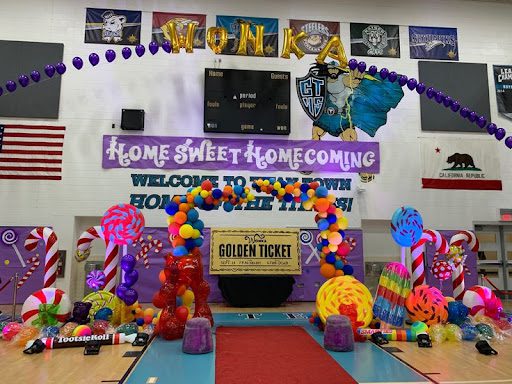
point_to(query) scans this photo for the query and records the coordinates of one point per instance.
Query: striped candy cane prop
(52, 247)
(145, 248)
(418, 254)
(35, 264)
(352, 242)
(458, 273)
(111, 255)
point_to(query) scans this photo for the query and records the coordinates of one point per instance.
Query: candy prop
(10, 237)
(394, 287)
(84, 242)
(406, 228)
(122, 224)
(418, 254)
(482, 301)
(427, 304)
(48, 305)
(344, 291)
(457, 312)
(154, 244)
(10, 330)
(130, 276)
(80, 341)
(100, 300)
(25, 334)
(441, 269)
(34, 261)
(400, 335)
(95, 280)
(82, 330)
(67, 329)
(458, 273)
(52, 246)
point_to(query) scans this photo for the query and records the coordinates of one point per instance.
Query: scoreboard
(252, 102)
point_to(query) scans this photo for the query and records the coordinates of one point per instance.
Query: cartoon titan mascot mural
(340, 100)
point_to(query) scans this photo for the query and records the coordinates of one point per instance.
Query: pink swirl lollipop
(96, 280)
(122, 224)
(10, 237)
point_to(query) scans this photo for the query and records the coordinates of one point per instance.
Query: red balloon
(207, 185)
(182, 313)
(158, 300)
(343, 249)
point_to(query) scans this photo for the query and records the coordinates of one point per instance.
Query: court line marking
(477, 381)
(136, 360)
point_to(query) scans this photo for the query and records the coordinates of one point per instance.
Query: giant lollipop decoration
(406, 228)
(122, 224)
(10, 237)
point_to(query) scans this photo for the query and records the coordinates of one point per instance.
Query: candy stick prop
(35, 264)
(145, 248)
(84, 242)
(52, 257)
(418, 254)
(458, 273)
(352, 242)
(80, 341)
(10, 237)
(406, 228)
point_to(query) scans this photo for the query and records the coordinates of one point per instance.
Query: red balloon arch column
(183, 267)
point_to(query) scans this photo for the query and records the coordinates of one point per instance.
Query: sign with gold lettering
(255, 251)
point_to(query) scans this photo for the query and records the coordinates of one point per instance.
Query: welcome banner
(169, 152)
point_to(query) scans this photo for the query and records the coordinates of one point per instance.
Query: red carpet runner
(273, 355)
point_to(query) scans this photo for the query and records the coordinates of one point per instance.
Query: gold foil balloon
(178, 40)
(246, 36)
(335, 50)
(212, 35)
(290, 44)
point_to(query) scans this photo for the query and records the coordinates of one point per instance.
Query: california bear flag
(460, 164)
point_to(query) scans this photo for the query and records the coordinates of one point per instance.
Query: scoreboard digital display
(252, 102)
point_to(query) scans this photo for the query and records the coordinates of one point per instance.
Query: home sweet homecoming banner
(255, 251)
(170, 152)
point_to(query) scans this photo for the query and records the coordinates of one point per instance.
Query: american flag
(31, 152)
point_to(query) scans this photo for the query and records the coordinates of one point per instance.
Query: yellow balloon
(281, 192)
(196, 234)
(188, 298)
(247, 36)
(307, 205)
(194, 192)
(149, 312)
(325, 234)
(266, 182)
(170, 220)
(290, 44)
(331, 198)
(343, 223)
(277, 185)
(332, 247)
(250, 197)
(204, 194)
(186, 231)
(212, 35)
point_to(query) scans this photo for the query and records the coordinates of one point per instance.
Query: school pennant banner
(112, 26)
(460, 164)
(503, 82)
(433, 43)
(319, 33)
(376, 40)
(181, 20)
(232, 24)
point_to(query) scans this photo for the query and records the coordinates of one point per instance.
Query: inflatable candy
(52, 249)
(482, 301)
(418, 254)
(457, 312)
(11, 330)
(82, 330)
(48, 306)
(469, 331)
(406, 226)
(458, 273)
(438, 333)
(95, 280)
(453, 332)
(122, 224)
(25, 334)
(427, 304)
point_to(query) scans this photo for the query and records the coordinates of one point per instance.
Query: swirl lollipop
(122, 224)
(96, 280)
(10, 237)
(406, 227)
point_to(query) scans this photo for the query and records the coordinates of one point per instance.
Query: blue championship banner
(232, 24)
(503, 82)
(112, 26)
(433, 43)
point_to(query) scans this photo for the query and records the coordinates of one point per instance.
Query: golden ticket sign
(255, 251)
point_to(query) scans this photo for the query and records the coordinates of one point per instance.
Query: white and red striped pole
(35, 264)
(458, 274)
(52, 248)
(145, 248)
(418, 254)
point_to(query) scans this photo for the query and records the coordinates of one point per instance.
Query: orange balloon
(181, 290)
(178, 241)
(322, 204)
(190, 198)
(161, 276)
(289, 188)
(180, 217)
(322, 261)
(334, 227)
(339, 272)
(327, 270)
(314, 184)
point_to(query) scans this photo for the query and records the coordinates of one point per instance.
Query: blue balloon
(322, 224)
(331, 218)
(273, 192)
(348, 270)
(288, 197)
(322, 191)
(198, 200)
(339, 264)
(217, 193)
(199, 225)
(190, 244)
(325, 242)
(319, 246)
(238, 190)
(193, 215)
(180, 250)
(304, 188)
(179, 301)
(304, 197)
(140, 321)
(228, 207)
(171, 208)
(406, 226)
(199, 241)
(330, 259)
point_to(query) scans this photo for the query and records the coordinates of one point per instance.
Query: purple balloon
(153, 47)
(361, 67)
(352, 64)
(126, 52)
(491, 128)
(431, 92)
(473, 116)
(392, 76)
(140, 50)
(130, 296)
(78, 63)
(455, 106)
(500, 133)
(447, 101)
(384, 72)
(1, 91)
(61, 68)
(110, 55)
(420, 88)
(23, 80)
(412, 84)
(508, 142)
(120, 290)
(464, 112)
(481, 121)
(35, 76)
(128, 263)
(440, 96)
(402, 80)
(372, 70)
(10, 86)
(166, 46)
(94, 59)
(49, 70)
(130, 278)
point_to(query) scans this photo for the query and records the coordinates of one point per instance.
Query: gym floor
(162, 361)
